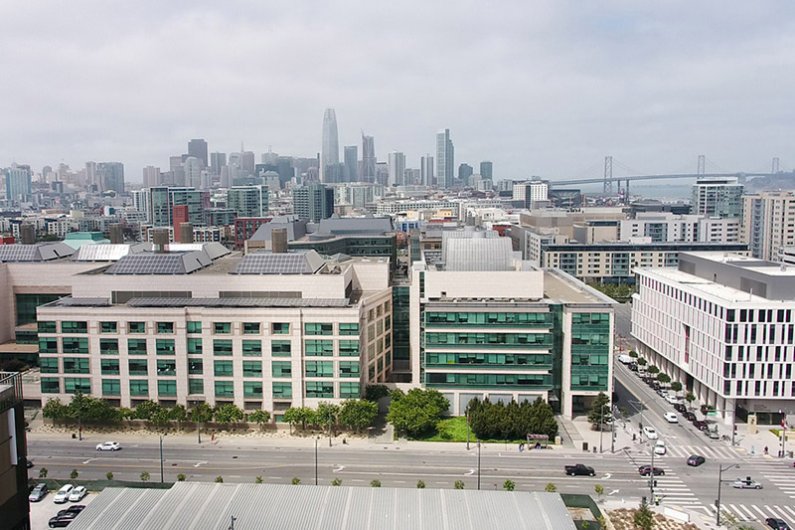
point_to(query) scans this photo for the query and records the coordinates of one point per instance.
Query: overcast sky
(539, 88)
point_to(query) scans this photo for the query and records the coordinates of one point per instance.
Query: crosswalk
(780, 475)
(671, 489)
(707, 451)
(752, 512)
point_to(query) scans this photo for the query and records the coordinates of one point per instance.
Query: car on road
(38, 493)
(673, 399)
(701, 425)
(681, 408)
(689, 416)
(108, 446)
(778, 524)
(624, 358)
(75, 508)
(650, 432)
(633, 367)
(62, 521)
(746, 483)
(77, 494)
(659, 448)
(63, 494)
(579, 469)
(646, 470)
(671, 417)
(695, 460)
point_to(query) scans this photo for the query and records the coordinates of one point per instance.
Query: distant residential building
(151, 176)
(18, 184)
(351, 173)
(198, 148)
(714, 197)
(245, 227)
(531, 192)
(397, 168)
(445, 159)
(158, 203)
(330, 152)
(487, 170)
(667, 227)
(248, 201)
(768, 221)
(382, 173)
(426, 171)
(313, 202)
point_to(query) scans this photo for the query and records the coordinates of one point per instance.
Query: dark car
(681, 408)
(28, 463)
(701, 425)
(580, 470)
(778, 524)
(38, 493)
(633, 367)
(647, 470)
(689, 416)
(61, 521)
(695, 460)
(75, 508)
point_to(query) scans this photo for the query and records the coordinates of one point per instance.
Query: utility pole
(161, 458)
(316, 439)
(478, 464)
(720, 482)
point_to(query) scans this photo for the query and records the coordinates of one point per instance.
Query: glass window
(349, 390)
(109, 346)
(252, 368)
(223, 368)
(194, 327)
(108, 327)
(252, 389)
(222, 328)
(281, 348)
(252, 348)
(166, 387)
(195, 366)
(195, 386)
(165, 327)
(282, 390)
(164, 346)
(280, 328)
(281, 369)
(136, 346)
(110, 366)
(49, 365)
(319, 348)
(166, 367)
(46, 326)
(251, 328)
(139, 387)
(26, 305)
(194, 346)
(224, 389)
(349, 369)
(74, 345)
(136, 327)
(111, 387)
(319, 389)
(349, 348)
(318, 328)
(137, 366)
(72, 385)
(319, 369)
(50, 385)
(75, 365)
(48, 345)
(349, 329)
(73, 326)
(222, 347)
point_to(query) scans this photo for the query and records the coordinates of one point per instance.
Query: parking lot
(40, 512)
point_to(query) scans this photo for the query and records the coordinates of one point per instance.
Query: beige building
(769, 223)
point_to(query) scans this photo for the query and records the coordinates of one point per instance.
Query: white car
(671, 417)
(78, 493)
(659, 448)
(673, 399)
(649, 432)
(63, 494)
(108, 446)
(625, 359)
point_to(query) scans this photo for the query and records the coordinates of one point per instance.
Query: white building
(397, 168)
(722, 325)
(531, 192)
(666, 227)
(769, 223)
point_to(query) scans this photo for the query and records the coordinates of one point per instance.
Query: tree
(358, 414)
(509, 485)
(458, 484)
(643, 518)
(599, 490)
(74, 474)
(676, 386)
(145, 476)
(421, 484)
(300, 415)
(663, 378)
(327, 414)
(145, 410)
(219, 479)
(690, 398)
(653, 370)
(336, 482)
(228, 413)
(201, 413)
(600, 409)
(55, 410)
(375, 392)
(178, 414)
(160, 419)
(550, 488)
(296, 481)
(633, 354)
(109, 475)
(642, 361)
(375, 483)
(181, 477)
(258, 479)
(417, 411)
(512, 422)
(43, 472)
(260, 417)
(291, 416)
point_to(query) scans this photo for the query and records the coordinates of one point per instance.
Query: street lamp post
(161, 458)
(720, 482)
(467, 418)
(478, 464)
(316, 439)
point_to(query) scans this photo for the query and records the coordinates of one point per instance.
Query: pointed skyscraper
(330, 152)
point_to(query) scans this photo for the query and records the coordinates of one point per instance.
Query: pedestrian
(765, 449)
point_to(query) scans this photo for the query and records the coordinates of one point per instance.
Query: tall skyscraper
(486, 170)
(248, 201)
(426, 170)
(217, 161)
(248, 162)
(91, 175)
(111, 176)
(445, 159)
(465, 171)
(351, 173)
(330, 152)
(193, 172)
(151, 176)
(313, 202)
(397, 168)
(368, 158)
(18, 184)
(198, 148)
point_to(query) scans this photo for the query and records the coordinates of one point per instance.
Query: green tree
(145, 476)
(260, 417)
(145, 410)
(421, 484)
(375, 392)
(55, 410)
(228, 413)
(663, 378)
(643, 518)
(292, 417)
(600, 409)
(109, 475)
(358, 414)
(201, 413)
(550, 488)
(653, 370)
(417, 411)
(327, 414)
(690, 398)
(73, 475)
(258, 479)
(375, 483)
(336, 482)
(642, 361)
(160, 419)
(181, 477)
(458, 484)
(219, 479)
(178, 414)
(302, 416)
(599, 490)
(509, 485)
(43, 472)
(296, 481)
(676, 386)
(633, 354)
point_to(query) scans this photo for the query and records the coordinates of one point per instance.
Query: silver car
(746, 484)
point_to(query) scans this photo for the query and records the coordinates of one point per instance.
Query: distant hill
(785, 181)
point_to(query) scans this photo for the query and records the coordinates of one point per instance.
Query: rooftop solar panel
(160, 263)
(287, 263)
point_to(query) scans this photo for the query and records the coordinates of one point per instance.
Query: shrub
(375, 483)
(145, 476)
(73, 475)
(550, 488)
(458, 484)
(336, 482)
(219, 479)
(258, 480)
(296, 481)
(43, 472)
(509, 485)
(109, 475)
(420, 484)
(181, 477)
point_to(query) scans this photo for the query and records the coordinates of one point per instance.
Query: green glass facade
(590, 351)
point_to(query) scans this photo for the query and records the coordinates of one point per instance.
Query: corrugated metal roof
(477, 254)
(199, 506)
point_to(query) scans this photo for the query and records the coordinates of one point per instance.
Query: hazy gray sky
(540, 88)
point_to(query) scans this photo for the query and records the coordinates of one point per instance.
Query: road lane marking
(197, 464)
(89, 460)
(338, 469)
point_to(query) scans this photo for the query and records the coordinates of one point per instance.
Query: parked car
(671, 417)
(75, 508)
(701, 425)
(633, 367)
(61, 521)
(77, 494)
(680, 408)
(778, 524)
(646, 470)
(624, 358)
(689, 416)
(673, 399)
(63, 494)
(746, 484)
(108, 446)
(695, 460)
(38, 493)
(28, 463)
(650, 432)
(579, 469)
(659, 448)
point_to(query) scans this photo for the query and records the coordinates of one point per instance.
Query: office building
(718, 197)
(18, 184)
(111, 176)
(157, 204)
(426, 171)
(465, 172)
(487, 170)
(531, 192)
(445, 159)
(217, 161)
(768, 221)
(151, 176)
(198, 148)
(313, 202)
(397, 168)
(14, 485)
(248, 201)
(330, 152)
(193, 172)
(722, 325)
(351, 172)
(486, 325)
(368, 159)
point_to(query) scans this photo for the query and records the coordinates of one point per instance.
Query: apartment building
(666, 227)
(769, 223)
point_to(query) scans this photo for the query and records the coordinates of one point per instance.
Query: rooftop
(38, 252)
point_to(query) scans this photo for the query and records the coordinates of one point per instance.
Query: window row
(540, 319)
(193, 327)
